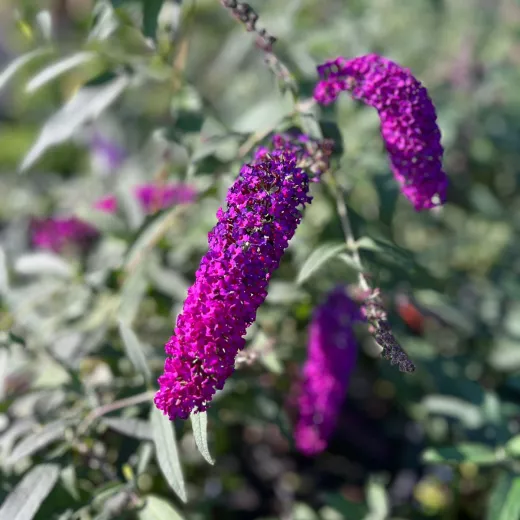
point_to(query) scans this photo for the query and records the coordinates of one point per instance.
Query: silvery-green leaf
(476, 453)
(377, 500)
(19, 62)
(43, 436)
(134, 350)
(87, 104)
(166, 452)
(57, 68)
(4, 275)
(130, 426)
(26, 498)
(318, 258)
(43, 263)
(199, 423)
(157, 508)
(504, 500)
(132, 294)
(106, 21)
(44, 21)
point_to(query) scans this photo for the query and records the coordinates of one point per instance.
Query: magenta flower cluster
(331, 357)
(57, 234)
(408, 120)
(152, 197)
(245, 247)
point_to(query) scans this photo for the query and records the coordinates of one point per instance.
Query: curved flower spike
(408, 120)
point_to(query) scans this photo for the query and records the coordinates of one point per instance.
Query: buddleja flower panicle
(331, 357)
(408, 120)
(245, 247)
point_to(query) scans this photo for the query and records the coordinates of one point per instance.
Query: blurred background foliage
(98, 96)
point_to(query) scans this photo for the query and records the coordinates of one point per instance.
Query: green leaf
(148, 236)
(151, 10)
(512, 447)
(377, 500)
(44, 22)
(26, 498)
(36, 441)
(19, 62)
(166, 452)
(302, 511)
(130, 426)
(106, 22)
(199, 423)
(57, 68)
(69, 481)
(145, 453)
(107, 491)
(4, 274)
(132, 294)
(318, 258)
(43, 263)
(479, 454)
(345, 507)
(87, 104)
(156, 508)
(504, 500)
(134, 350)
(469, 414)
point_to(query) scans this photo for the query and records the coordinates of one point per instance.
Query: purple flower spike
(332, 353)
(245, 247)
(408, 121)
(57, 234)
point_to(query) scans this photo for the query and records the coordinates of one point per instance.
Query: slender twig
(372, 305)
(339, 193)
(111, 407)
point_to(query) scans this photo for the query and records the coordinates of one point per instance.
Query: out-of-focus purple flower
(152, 197)
(245, 247)
(106, 154)
(408, 120)
(332, 352)
(107, 204)
(57, 234)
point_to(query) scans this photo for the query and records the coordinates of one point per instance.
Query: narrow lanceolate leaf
(43, 263)
(134, 350)
(37, 440)
(318, 258)
(26, 498)
(166, 452)
(377, 500)
(57, 68)
(4, 275)
(136, 428)
(479, 454)
(18, 63)
(157, 508)
(199, 423)
(87, 104)
(504, 501)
